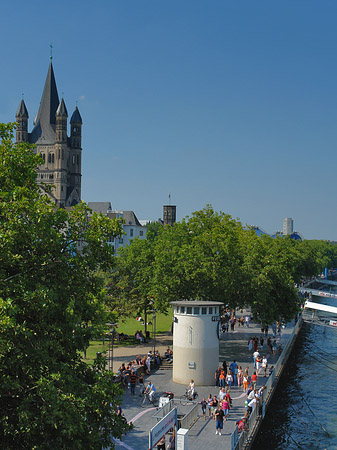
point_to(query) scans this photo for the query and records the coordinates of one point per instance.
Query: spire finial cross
(51, 52)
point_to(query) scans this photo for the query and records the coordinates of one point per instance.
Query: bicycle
(146, 401)
(186, 398)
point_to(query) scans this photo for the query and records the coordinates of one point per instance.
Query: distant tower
(169, 214)
(61, 154)
(22, 120)
(288, 226)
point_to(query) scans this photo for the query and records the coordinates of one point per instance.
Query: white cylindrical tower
(195, 341)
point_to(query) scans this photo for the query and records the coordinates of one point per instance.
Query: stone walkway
(233, 345)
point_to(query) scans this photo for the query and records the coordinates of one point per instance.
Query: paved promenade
(233, 345)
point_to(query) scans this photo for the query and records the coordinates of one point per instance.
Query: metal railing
(189, 419)
(238, 440)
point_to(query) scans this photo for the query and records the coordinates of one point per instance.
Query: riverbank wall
(245, 440)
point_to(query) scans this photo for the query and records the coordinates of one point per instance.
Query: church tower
(61, 154)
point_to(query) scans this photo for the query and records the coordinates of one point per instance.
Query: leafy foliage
(49, 295)
(210, 256)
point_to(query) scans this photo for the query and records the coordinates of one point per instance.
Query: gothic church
(61, 154)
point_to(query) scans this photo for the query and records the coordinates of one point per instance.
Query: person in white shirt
(191, 389)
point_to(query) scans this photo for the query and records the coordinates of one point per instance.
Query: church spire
(45, 119)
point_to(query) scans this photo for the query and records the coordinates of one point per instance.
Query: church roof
(62, 110)
(22, 110)
(76, 117)
(45, 119)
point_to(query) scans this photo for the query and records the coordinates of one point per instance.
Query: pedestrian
(229, 398)
(261, 342)
(258, 363)
(219, 417)
(222, 379)
(214, 406)
(161, 444)
(225, 407)
(133, 381)
(203, 404)
(255, 355)
(229, 379)
(172, 441)
(240, 376)
(222, 394)
(209, 405)
(264, 365)
(217, 376)
(254, 380)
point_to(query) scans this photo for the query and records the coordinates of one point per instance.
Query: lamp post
(154, 329)
(111, 345)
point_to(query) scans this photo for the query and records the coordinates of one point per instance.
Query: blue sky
(227, 103)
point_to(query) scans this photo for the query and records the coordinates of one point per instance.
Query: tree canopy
(211, 256)
(51, 302)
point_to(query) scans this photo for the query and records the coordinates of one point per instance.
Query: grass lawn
(129, 327)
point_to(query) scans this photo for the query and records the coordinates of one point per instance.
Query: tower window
(52, 158)
(73, 159)
(131, 232)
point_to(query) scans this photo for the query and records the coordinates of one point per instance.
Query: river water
(310, 377)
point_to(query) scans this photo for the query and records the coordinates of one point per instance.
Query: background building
(61, 154)
(288, 226)
(131, 225)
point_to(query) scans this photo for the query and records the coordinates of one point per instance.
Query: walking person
(229, 379)
(225, 407)
(217, 376)
(264, 365)
(133, 381)
(219, 417)
(254, 380)
(209, 405)
(203, 404)
(240, 376)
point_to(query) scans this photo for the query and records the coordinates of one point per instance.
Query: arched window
(73, 159)
(52, 158)
(49, 157)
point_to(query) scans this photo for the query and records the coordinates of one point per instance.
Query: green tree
(51, 300)
(130, 287)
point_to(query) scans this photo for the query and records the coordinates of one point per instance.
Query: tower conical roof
(76, 117)
(45, 119)
(22, 110)
(62, 110)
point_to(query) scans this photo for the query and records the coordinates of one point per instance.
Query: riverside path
(201, 435)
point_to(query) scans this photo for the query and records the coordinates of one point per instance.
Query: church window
(41, 175)
(49, 157)
(62, 188)
(58, 153)
(43, 157)
(78, 159)
(52, 158)
(62, 154)
(73, 159)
